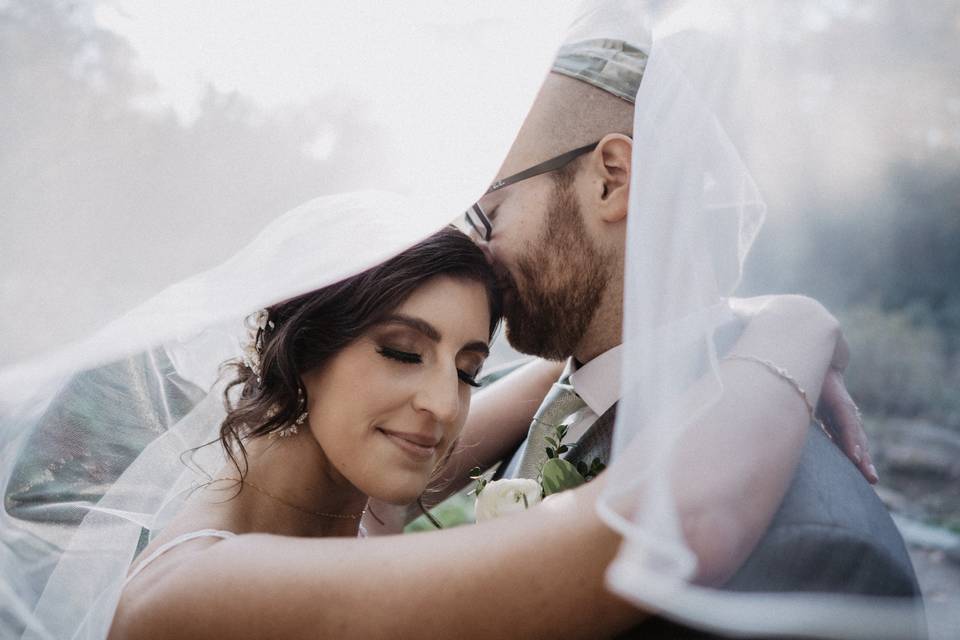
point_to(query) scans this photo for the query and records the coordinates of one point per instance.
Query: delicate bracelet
(784, 375)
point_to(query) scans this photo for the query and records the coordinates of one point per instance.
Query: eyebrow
(427, 329)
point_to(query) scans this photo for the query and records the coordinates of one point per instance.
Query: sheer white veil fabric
(708, 153)
(710, 97)
(151, 379)
(98, 440)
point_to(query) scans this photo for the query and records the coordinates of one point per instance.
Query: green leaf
(582, 468)
(481, 483)
(597, 466)
(563, 449)
(559, 475)
(551, 453)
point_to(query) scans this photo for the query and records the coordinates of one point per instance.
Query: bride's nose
(439, 395)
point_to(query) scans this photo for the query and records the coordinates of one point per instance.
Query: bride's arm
(500, 415)
(733, 466)
(502, 579)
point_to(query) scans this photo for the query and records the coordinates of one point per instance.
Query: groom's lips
(420, 446)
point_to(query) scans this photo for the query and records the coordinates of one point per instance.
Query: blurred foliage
(902, 364)
(452, 512)
(107, 195)
(888, 265)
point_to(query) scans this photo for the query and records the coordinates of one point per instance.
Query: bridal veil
(102, 439)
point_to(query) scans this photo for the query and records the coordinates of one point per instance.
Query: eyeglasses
(478, 219)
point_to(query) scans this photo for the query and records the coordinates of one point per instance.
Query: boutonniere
(500, 497)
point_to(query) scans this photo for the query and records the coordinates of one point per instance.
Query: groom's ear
(612, 155)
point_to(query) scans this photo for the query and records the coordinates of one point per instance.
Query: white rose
(501, 497)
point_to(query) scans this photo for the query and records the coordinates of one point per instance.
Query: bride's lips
(420, 446)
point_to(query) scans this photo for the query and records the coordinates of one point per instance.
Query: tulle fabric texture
(146, 387)
(119, 427)
(719, 93)
(99, 439)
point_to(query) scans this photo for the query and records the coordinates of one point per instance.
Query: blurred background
(873, 231)
(142, 142)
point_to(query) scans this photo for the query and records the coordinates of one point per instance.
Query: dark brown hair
(308, 330)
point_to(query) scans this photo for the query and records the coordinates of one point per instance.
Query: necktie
(560, 403)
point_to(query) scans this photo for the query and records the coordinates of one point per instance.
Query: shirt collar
(598, 381)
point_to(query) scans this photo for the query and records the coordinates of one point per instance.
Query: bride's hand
(839, 412)
(835, 408)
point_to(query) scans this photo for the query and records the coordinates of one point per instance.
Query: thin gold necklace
(319, 514)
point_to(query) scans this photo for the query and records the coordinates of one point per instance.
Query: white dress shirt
(598, 384)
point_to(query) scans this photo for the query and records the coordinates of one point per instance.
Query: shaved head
(566, 114)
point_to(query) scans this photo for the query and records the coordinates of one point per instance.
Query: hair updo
(306, 331)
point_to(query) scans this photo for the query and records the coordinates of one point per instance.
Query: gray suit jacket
(830, 534)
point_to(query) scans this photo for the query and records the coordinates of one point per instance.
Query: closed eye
(469, 379)
(400, 356)
(407, 357)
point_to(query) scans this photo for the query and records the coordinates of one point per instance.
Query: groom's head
(557, 238)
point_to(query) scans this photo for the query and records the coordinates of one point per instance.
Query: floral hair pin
(257, 323)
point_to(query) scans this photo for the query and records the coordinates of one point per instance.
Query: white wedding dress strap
(202, 533)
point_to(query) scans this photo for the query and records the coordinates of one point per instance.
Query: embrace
(354, 407)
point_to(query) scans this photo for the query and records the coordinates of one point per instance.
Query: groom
(556, 240)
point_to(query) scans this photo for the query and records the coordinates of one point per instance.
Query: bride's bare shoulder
(158, 571)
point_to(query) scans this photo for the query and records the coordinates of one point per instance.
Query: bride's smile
(417, 445)
(386, 408)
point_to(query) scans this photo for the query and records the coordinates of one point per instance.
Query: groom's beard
(559, 285)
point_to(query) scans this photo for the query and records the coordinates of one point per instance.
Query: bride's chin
(398, 495)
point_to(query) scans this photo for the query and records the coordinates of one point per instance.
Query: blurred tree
(105, 199)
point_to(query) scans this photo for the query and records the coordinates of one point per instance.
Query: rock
(920, 447)
(923, 535)
(894, 500)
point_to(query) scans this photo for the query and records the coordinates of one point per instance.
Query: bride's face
(387, 407)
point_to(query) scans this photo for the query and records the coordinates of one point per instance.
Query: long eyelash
(469, 379)
(401, 356)
(413, 358)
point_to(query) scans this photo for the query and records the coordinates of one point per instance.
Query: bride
(358, 389)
